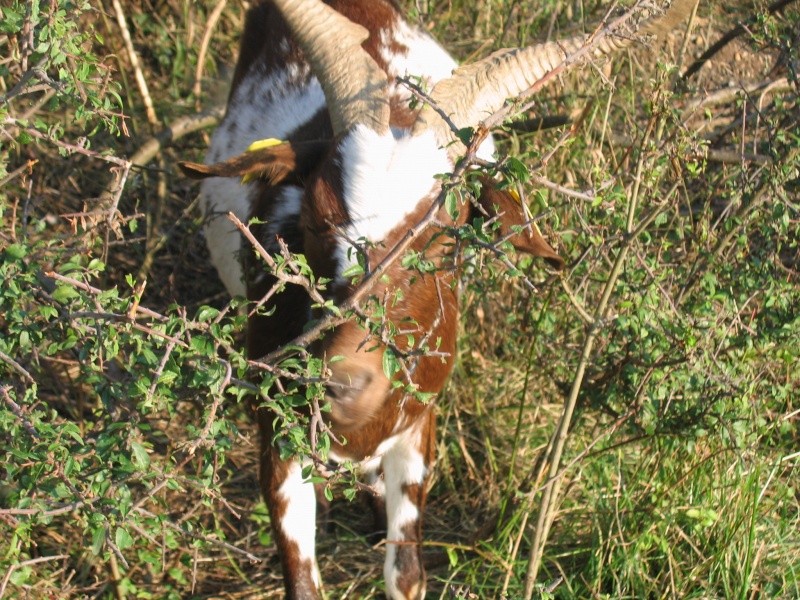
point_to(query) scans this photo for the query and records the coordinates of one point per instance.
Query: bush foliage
(127, 456)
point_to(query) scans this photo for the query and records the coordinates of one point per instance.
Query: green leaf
(390, 363)
(517, 169)
(140, 455)
(178, 575)
(355, 270)
(64, 293)
(17, 251)
(123, 539)
(465, 135)
(451, 202)
(24, 340)
(20, 576)
(98, 540)
(72, 430)
(452, 556)
(207, 313)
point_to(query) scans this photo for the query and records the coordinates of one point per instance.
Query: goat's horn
(476, 91)
(355, 86)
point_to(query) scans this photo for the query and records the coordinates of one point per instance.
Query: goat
(358, 167)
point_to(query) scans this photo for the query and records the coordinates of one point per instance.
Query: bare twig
(70, 148)
(208, 539)
(116, 576)
(21, 87)
(51, 512)
(686, 38)
(423, 95)
(134, 58)
(17, 410)
(588, 319)
(96, 292)
(560, 189)
(115, 549)
(725, 95)
(176, 130)
(17, 172)
(294, 278)
(317, 424)
(26, 563)
(17, 367)
(202, 439)
(160, 369)
(201, 54)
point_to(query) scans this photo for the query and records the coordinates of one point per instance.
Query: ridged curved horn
(476, 91)
(355, 86)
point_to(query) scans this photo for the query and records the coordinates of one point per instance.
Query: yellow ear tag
(526, 211)
(260, 144)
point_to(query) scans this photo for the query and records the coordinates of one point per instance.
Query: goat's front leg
(292, 509)
(406, 467)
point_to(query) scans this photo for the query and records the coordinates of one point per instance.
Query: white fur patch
(262, 107)
(425, 58)
(218, 196)
(299, 521)
(385, 178)
(402, 465)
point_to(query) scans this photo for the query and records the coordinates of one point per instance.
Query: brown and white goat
(358, 168)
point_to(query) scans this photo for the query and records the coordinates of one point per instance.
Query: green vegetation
(127, 456)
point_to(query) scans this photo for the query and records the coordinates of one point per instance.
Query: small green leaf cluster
(53, 49)
(93, 405)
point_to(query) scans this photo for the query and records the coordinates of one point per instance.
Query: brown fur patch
(503, 205)
(358, 386)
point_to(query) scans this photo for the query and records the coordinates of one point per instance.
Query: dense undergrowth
(127, 457)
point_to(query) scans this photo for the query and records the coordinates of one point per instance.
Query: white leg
(405, 472)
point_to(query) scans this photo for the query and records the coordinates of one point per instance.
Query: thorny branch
(26, 563)
(191, 325)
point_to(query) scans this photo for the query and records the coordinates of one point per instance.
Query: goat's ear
(275, 163)
(510, 213)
